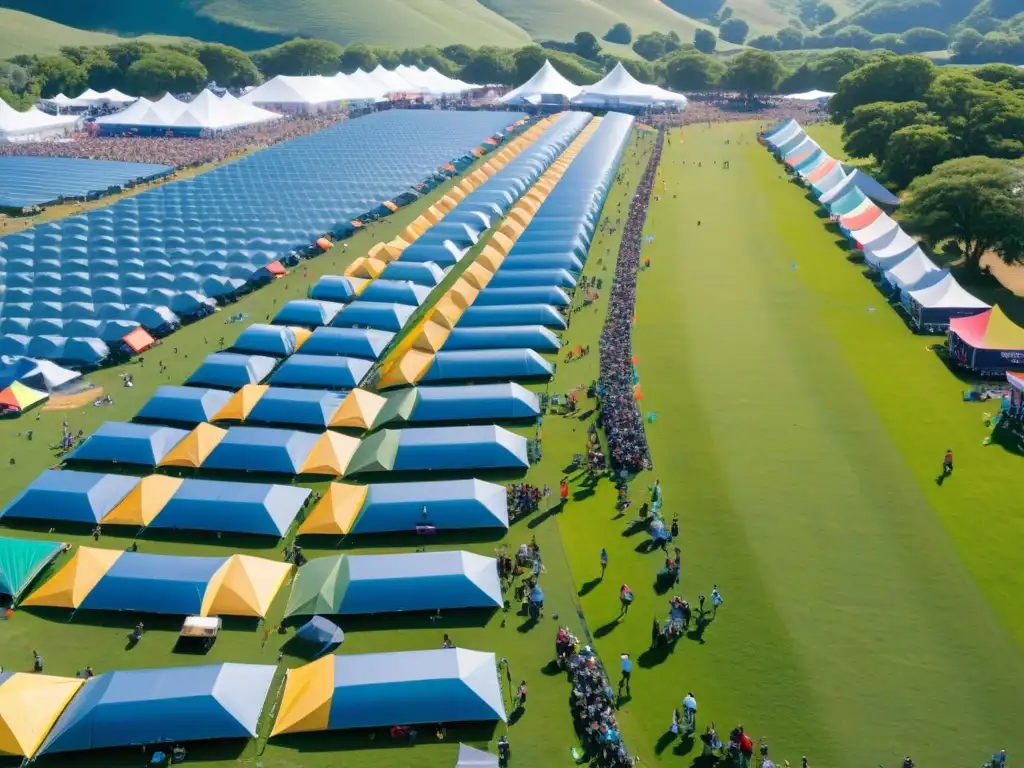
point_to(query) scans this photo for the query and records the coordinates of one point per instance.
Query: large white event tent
(206, 112)
(619, 88)
(547, 84)
(810, 96)
(306, 94)
(91, 98)
(34, 124)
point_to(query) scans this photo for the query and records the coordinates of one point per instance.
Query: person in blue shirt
(627, 672)
(604, 560)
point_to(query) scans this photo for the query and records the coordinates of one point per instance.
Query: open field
(24, 33)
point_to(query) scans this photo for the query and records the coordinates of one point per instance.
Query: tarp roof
(395, 507)
(195, 448)
(320, 631)
(535, 337)
(18, 397)
(41, 375)
(360, 410)
(374, 314)
(241, 403)
(947, 293)
(336, 288)
(163, 706)
(475, 365)
(127, 443)
(620, 87)
(260, 339)
(184, 405)
(144, 502)
(80, 497)
(367, 343)
(871, 189)
(910, 270)
(478, 402)
(29, 706)
(262, 450)
(303, 407)
(308, 312)
(989, 330)
(471, 757)
(547, 81)
(229, 370)
(21, 560)
(329, 372)
(379, 689)
(232, 507)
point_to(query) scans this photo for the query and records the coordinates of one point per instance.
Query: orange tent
(138, 341)
(276, 268)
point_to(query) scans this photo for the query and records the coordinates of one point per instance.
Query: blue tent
(167, 584)
(163, 706)
(229, 370)
(262, 450)
(366, 343)
(448, 505)
(307, 312)
(214, 505)
(320, 632)
(537, 294)
(397, 291)
(301, 370)
(21, 560)
(337, 288)
(535, 337)
(372, 314)
(483, 447)
(492, 402)
(535, 261)
(74, 497)
(301, 407)
(521, 314)
(127, 443)
(259, 339)
(867, 185)
(424, 273)
(183, 405)
(477, 365)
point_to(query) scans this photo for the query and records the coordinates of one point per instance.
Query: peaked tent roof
(547, 81)
(29, 706)
(64, 494)
(320, 631)
(947, 293)
(989, 330)
(471, 757)
(867, 185)
(620, 86)
(21, 560)
(185, 405)
(159, 706)
(127, 443)
(144, 502)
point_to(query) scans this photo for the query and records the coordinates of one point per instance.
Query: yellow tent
(490, 259)
(145, 501)
(193, 450)
(502, 243)
(72, 583)
(29, 706)
(330, 455)
(241, 403)
(431, 337)
(408, 369)
(463, 293)
(446, 203)
(456, 194)
(244, 586)
(446, 312)
(336, 511)
(301, 336)
(521, 215)
(306, 703)
(477, 275)
(358, 410)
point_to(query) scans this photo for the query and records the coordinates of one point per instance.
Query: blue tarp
(366, 343)
(262, 450)
(163, 706)
(301, 407)
(167, 584)
(480, 402)
(336, 288)
(213, 505)
(75, 497)
(229, 370)
(477, 365)
(332, 372)
(272, 340)
(515, 278)
(449, 505)
(183, 405)
(321, 632)
(524, 314)
(307, 312)
(126, 443)
(372, 314)
(483, 447)
(26, 181)
(535, 337)
(425, 273)
(397, 291)
(539, 294)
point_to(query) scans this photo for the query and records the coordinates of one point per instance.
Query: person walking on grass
(625, 599)
(626, 664)
(604, 561)
(716, 600)
(947, 463)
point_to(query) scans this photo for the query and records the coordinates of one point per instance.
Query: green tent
(375, 453)
(21, 560)
(317, 588)
(399, 406)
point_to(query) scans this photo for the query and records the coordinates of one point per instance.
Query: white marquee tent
(548, 82)
(619, 88)
(34, 124)
(206, 111)
(810, 96)
(287, 93)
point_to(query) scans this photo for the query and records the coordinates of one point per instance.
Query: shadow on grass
(635, 527)
(607, 629)
(380, 738)
(589, 586)
(212, 751)
(551, 669)
(685, 745)
(664, 742)
(652, 657)
(127, 620)
(530, 623)
(535, 521)
(470, 618)
(1006, 437)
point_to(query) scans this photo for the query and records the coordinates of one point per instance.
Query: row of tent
(616, 90)
(241, 585)
(90, 98)
(35, 181)
(34, 124)
(71, 287)
(44, 715)
(206, 113)
(191, 504)
(25, 382)
(932, 297)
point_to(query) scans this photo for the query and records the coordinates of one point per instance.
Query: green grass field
(800, 429)
(24, 33)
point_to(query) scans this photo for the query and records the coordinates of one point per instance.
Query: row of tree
(953, 137)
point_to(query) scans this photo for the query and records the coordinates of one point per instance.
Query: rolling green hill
(25, 33)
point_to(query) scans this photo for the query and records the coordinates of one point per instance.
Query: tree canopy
(166, 72)
(300, 57)
(704, 41)
(914, 151)
(753, 72)
(734, 30)
(871, 126)
(227, 66)
(692, 71)
(620, 33)
(586, 45)
(654, 45)
(890, 78)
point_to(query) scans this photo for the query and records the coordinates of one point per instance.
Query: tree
(853, 36)
(357, 56)
(833, 66)
(890, 78)
(734, 31)
(127, 53)
(227, 66)
(973, 201)
(643, 71)
(13, 77)
(390, 59)
(430, 56)
(753, 72)
(489, 65)
(889, 41)
(826, 13)
(1000, 73)
(586, 45)
(166, 72)
(790, 39)
(704, 41)
(58, 74)
(299, 57)
(868, 130)
(459, 53)
(966, 44)
(921, 39)
(765, 43)
(691, 71)
(914, 151)
(654, 45)
(526, 61)
(620, 33)
(982, 118)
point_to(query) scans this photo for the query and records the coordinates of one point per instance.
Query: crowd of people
(715, 107)
(523, 498)
(620, 415)
(178, 152)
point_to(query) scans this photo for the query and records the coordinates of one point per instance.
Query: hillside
(25, 33)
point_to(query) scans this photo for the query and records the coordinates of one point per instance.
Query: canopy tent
(91, 98)
(40, 375)
(21, 560)
(373, 314)
(470, 757)
(163, 706)
(229, 370)
(305, 94)
(282, 406)
(144, 502)
(513, 278)
(111, 580)
(366, 343)
(18, 398)
(204, 114)
(422, 273)
(69, 496)
(307, 312)
(878, 230)
(620, 89)
(535, 337)
(539, 294)
(396, 507)
(331, 455)
(909, 271)
(479, 402)
(321, 633)
(195, 448)
(240, 405)
(271, 340)
(446, 685)
(126, 443)
(783, 134)
(447, 448)
(397, 291)
(33, 125)
(932, 307)
(810, 96)
(517, 314)
(337, 288)
(870, 188)
(138, 341)
(262, 450)
(183, 405)
(29, 706)
(336, 372)
(416, 581)
(359, 410)
(885, 253)
(988, 343)
(477, 365)
(546, 85)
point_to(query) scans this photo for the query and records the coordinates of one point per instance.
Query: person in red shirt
(563, 490)
(746, 747)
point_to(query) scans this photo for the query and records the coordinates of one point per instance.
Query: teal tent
(21, 560)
